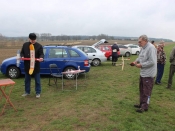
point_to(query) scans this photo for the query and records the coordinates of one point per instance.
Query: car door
(132, 49)
(122, 50)
(58, 56)
(91, 53)
(42, 64)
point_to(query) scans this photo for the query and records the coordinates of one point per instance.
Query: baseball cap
(32, 36)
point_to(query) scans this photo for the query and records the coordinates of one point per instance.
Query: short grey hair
(162, 42)
(144, 37)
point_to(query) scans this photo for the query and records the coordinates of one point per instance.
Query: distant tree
(2, 37)
(102, 36)
(45, 36)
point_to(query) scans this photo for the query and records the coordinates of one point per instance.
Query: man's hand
(132, 64)
(40, 59)
(138, 65)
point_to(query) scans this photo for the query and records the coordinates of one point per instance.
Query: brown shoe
(141, 110)
(137, 106)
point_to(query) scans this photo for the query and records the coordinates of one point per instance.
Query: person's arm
(151, 58)
(22, 52)
(41, 54)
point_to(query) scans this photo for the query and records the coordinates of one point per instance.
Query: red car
(108, 51)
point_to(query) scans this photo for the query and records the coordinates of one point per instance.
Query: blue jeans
(28, 82)
(160, 70)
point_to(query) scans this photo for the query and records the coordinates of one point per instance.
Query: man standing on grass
(115, 50)
(172, 68)
(147, 62)
(26, 52)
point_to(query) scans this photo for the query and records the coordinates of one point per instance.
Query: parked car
(96, 57)
(65, 57)
(124, 51)
(135, 48)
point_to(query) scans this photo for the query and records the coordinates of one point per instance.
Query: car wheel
(137, 53)
(127, 54)
(96, 62)
(110, 58)
(13, 72)
(69, 76)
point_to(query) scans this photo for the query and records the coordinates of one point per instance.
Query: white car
(134, 48)
(95, 55)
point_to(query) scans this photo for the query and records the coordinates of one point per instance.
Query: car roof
(80, 45)
(56, 46)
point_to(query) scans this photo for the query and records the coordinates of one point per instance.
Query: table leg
(7, 99)
(62, 82)
(76, 81)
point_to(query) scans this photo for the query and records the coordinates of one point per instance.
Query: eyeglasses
(139, 41)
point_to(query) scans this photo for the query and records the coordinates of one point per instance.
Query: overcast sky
(155, 18)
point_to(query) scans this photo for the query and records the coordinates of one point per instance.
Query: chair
(54, 73)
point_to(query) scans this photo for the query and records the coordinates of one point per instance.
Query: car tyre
(13, 72)
(69, 76)
(110, 58)
(127, 54)
(96, 62)
(137, 53)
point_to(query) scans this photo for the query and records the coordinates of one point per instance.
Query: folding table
(75, 72)
(6, 93)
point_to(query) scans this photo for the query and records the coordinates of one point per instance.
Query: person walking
(147, 62)
(161, 60)
(115, 50)
(172, 68)
(27, 53)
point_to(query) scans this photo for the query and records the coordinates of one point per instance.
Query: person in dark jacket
(172, 68)
(115, 49)
(25, 53)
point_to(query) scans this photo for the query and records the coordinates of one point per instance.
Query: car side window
(60, 53)
(90, 50)
(52, 53)
(124, 47)
(81, 48)
(57, 53)
(73, 53)
(44, 51)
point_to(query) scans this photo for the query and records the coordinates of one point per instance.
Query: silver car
(96, 56)
(125, 51)
(135, 48)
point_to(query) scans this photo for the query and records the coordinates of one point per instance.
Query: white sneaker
(25, 94)
(37, 95)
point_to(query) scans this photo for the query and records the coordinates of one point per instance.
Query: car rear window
(73, 53)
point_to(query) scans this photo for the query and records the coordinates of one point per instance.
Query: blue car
(65, 57)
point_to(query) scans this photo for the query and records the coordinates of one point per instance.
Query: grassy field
(104, 103)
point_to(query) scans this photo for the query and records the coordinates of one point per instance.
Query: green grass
(104, 103)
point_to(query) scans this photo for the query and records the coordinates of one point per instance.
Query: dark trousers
(114, 60)
(160, 70)
(37, 83)
(145, 87)
(171, 74)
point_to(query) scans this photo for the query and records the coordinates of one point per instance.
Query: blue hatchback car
(66, 58)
